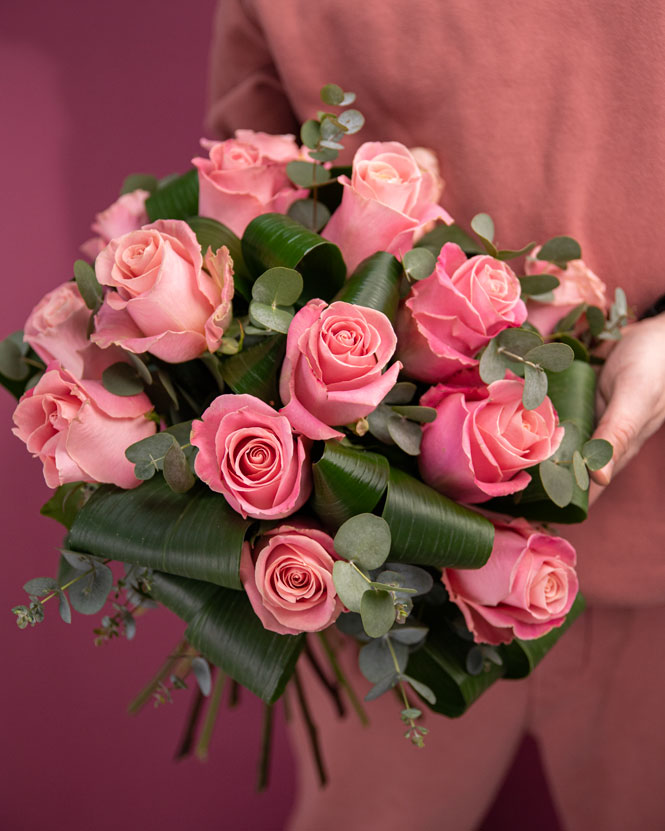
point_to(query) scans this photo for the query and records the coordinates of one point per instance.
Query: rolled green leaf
(273, 240)
(179, 199)
(222, 624)
(522, 657)
(347, 481)
(255, 371)
(429, 529)
(194, 534)
(375, 284)
(211, 233)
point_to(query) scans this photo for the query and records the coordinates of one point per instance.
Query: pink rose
(331, 374)
(288, 579)
(248, 452)
(452, 314)
(525, 589)
(577, 284)
(126, 214)
(57, 330)
(386, 203)
(246, 176)
(161, 300)
(483, 439)
(79, 430)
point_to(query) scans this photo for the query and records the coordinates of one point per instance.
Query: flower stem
(343, 680)
(266, 745)
(203, 743)
(312, 731)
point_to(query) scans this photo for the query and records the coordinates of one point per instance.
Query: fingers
(618, 426)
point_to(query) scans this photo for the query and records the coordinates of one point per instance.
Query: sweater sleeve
(244, 89)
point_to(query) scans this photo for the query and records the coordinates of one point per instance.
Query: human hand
(630, 399)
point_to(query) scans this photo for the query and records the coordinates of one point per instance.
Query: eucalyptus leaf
(39, 586)
(350, 585)
(64, 609)
(139, 181)
(311, 214)
(597, 453)
(568, 322)
(278, 287)
(141, 368)
(535, 387)
(332, 94)
(554, 357)
(88, 595)
(557, 481)
(579, 349)
(419, 263)
(310, 133)
(441, 234)
(475, 660)
(307, 174)
(596, 320)
(377, 612)
(408, 635)
(483, 225)
(325, 154)
(378, 423)
(88, 285)
(12, 352)
(422, 689)
(492, 366)
(364, 538)
(148, 454)
(406, 435)
(414, 577)
(353, 120)
(560, 250)
(535, 284)
(382, 687)
(122, 379)
(580, 471)
(401, 393)
(177, 474)
(570, 442)
(376, 662)
(274, 318)
(511, 254)
(201, 670)
(519, 341)
(423, 415)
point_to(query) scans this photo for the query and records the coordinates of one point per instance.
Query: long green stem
(266, 745)
(312, 731)
(203, 744)
(343, 680)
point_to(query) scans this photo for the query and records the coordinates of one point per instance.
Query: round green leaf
(377, 612)
(139, 181)
(353, 120)
(12, 365)
(423, 415)
(406, 434)
(349, 584)
(560, 250)
(376, 661)
(89, 594)
(310, 132)
(149, 453)
(519, 341)
(332, 94)
(570, 442)
(568, 322)
(580, 471)
(579, 349)
(122, 379)
(597, 453)
(401, 393)
(483, 225)
(377, 421)
(535, 387)
(557, 481)
(382, 686)
(39, 586)
(307, 174)
(554, 357)
(422, 689)
(273, 318)
(326, 154)
(535, 284)
(492, 365)
(408, 635)
(512, 253)
(88, 285)
(596, 320)
(364, 538)
(412, 576)
(278, 287)
(311, 214)
(177, 474)
(419, 263)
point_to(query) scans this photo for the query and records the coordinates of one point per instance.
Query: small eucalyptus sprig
(397, 421)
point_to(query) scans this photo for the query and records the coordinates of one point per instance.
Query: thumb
(619, 428)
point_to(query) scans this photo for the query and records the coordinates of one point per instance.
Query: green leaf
(441, 234)
(415, 578)
(12, 363)
(39, 586)
(194, 534)
(139, 181)
(597, 453)
(423, 415)
(409, 635)
(406, 434)
(178, 199)
(212, 234)
(579, 349)
(419, 263)
(569, 444)
(255, 371)
(148, 454)
(325, 154)
(275, 240)
(353, 120)
(535, 387)
(568, 322)
(347, 481)
(560, 250)
(596, 320)
(201, 670)
(332, 94)
(377, 422)
(375, 284)
(535, 284)
(401, 393)
(278, 287)
(272, 317)
(224, 627)
(557, 481)
(376, 661)
(377, 611)
(580, 471)
(88, 285)
(511, 254)
(122, 379)
(519, 341)
(382, 687)
(492, 366)
(310, 133)
(177, 474)
(349, 584)
(364, 538)
(64, 609)
(89, 594)
(313, 215)
(483, 225)
(422, 689)
(429, 529)
(66, 503)
(307, 174)
(554, 357)
(522, 657)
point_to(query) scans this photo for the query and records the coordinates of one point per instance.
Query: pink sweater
(548, 115)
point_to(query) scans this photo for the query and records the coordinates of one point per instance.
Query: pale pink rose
(57, 330)
(332, 371)
(428, 162)
(577, 284)
(79, 430)
(452, 314)
(246, 176)
(161, 300)
(288, 579)
(386, 204)
(126, 214)
(525, 589)
(248, 452)
(483, 439)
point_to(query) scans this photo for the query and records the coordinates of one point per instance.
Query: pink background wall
(90, 92)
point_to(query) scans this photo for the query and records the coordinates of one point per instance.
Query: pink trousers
(595, 705)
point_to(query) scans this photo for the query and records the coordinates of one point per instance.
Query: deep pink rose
(577, 284)
(452, 314)
(386, 204)
(288, 579)
(246, 176)
(483, 439)
(79, 430)
(161, 300)
(332, 372)
(126, 214)
(57, 330)
(525, 589)
(248, 452)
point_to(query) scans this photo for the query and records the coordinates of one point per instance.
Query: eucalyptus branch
(514, 357)
(343, 680)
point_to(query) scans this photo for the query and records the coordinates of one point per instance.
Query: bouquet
(283, 398)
